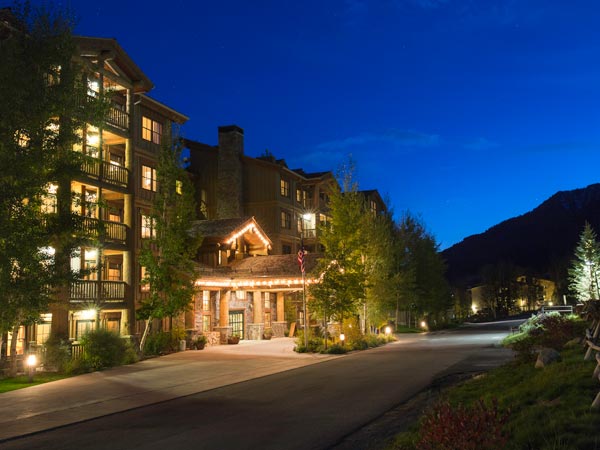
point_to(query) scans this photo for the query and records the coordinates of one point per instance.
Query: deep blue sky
(465, 112)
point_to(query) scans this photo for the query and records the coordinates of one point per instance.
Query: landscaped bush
(162, 342)
(544, 330)
(478, 427)
(315, 344)
(58, 354)
(103, 348)
(335, 349)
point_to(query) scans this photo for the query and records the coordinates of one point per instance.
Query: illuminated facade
(288, 204)
(112, 195)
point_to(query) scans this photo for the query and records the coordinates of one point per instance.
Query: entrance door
(236, 322)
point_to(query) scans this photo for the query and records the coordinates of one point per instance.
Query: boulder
(546, 356)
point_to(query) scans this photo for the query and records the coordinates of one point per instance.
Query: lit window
(144, 286)
(205, 300)
(286, 220)
(22, 138)
(48, 205)
(149, 178)
(285, 188)
(373, 207)
(148, 227)
(301, 197)
(151, 130)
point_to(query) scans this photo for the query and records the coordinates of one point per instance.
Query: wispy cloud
(480, 144)
(401, 138)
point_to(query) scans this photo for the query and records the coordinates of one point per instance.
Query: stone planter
(232, 340)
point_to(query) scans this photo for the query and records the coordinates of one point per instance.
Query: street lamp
(388, 330)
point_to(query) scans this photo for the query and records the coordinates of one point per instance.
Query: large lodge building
(254, 213)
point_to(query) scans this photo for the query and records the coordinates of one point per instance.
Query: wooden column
(258, 302)
(280, 307)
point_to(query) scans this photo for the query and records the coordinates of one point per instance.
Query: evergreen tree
(421, 285)
(168, 256)
(584, 272)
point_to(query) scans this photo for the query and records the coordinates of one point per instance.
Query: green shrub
(335, 349)
(104, 349)
(161, 342)
(58, 354)
(315, 344)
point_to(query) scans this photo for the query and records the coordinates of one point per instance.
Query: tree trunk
(13, 351)
(148, 323)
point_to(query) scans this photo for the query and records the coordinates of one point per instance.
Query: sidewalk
(97, 394)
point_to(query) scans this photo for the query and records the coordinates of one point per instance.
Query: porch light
(88, 314)
(31, 362)
(93, 139)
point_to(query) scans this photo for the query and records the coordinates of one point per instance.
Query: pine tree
(584, 272)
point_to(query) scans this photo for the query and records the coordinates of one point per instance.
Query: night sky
(464, 112)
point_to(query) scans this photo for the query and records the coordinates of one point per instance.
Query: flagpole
(304, 306)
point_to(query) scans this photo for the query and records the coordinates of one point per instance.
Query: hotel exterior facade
(255, 214)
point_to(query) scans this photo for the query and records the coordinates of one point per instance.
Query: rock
(573, 343)
(546, 356)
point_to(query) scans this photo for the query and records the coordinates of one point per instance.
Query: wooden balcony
(309, 233)
(117, 118)
(105, 171)
(104, 230)
(97, 291)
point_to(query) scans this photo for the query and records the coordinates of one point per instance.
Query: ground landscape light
(31, 363)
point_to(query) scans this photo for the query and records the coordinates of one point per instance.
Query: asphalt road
(312, 407)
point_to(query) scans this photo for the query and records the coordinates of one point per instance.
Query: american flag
(301, 253)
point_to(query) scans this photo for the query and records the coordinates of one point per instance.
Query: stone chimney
(229, 187)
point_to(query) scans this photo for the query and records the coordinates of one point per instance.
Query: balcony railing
(309, 233)
(101, 291)
(117, 118)
(105, 171)
(104, 229)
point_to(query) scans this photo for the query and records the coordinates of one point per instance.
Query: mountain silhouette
(537, 242)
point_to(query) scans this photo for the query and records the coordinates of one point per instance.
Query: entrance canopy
(265, 273)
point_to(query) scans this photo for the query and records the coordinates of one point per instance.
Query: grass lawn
(22, 381)
(549, 408)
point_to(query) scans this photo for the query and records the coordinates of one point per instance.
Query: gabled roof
(111, 50)
(226, 230)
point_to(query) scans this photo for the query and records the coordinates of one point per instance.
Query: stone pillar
(229, 170)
